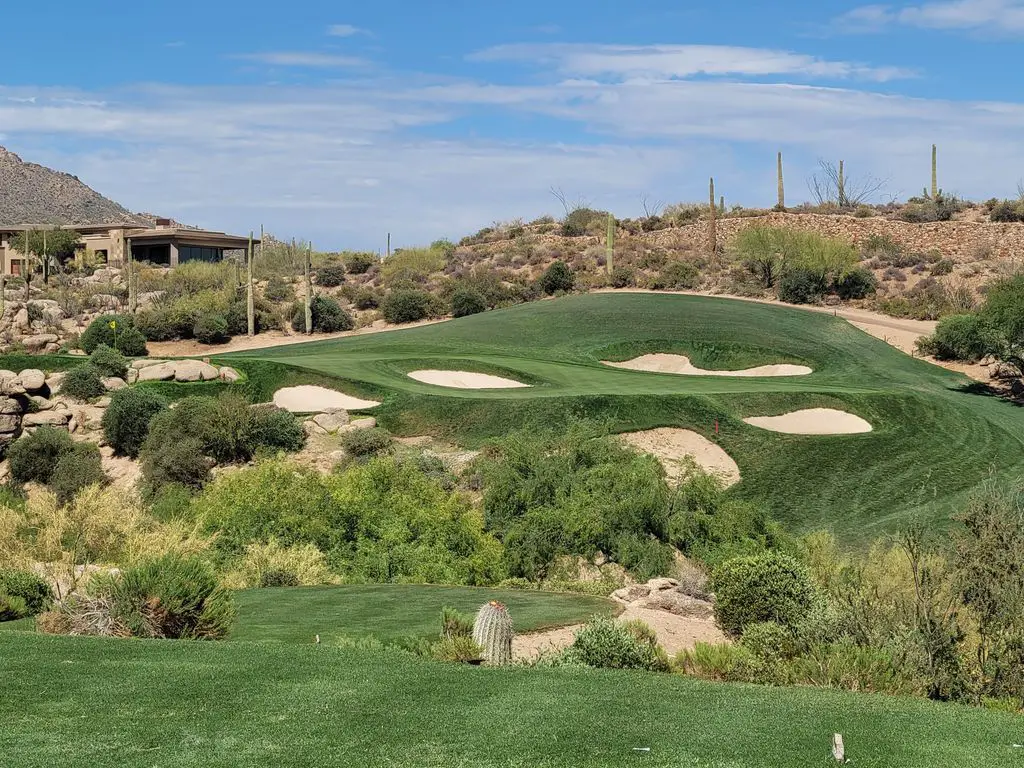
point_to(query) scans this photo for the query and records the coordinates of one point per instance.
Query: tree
(1003, 312)
(45, 247)
(831, 186)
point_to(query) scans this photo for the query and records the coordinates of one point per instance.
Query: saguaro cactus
(133, 286)
(712, 221)
(492, 631)
(782, 188)
(842, 186)
(250, 305)
(609, 243)
(935, 173)
(308, 301)
(721, 205)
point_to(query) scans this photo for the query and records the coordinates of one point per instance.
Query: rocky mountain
(35, 194)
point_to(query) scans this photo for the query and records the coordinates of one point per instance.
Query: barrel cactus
(492, 631)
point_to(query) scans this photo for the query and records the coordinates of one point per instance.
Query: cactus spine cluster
(492, 631)
(782, 188)
(712, 221)
(609, 243)
(308, 301)
(935, 173)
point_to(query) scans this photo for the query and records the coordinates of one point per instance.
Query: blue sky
(343, 121)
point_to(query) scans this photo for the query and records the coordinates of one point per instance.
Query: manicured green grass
(392, 611)
(105, 703)
(935, 437)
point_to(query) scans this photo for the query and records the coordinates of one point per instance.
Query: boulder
(229, 374)
(132, 375)
(106, 301)
(10, 383)
(113, 383)
(54, 380)
(675, 602)
(52, 348)
(103, 402)
(21, 319)
(10, 416)
(41, 403)
(32, 379)
(632, 593)
(364, 423)
(46, 418)
(986, 361)
(194, 370)
(312, 428)
(658, 585)
(145, 363)
(331, 421)
(37, 342)
(1002, 371)
(160, 372)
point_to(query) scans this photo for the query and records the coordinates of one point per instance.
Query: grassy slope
(96, 702)
(392, 611)
(933, 441)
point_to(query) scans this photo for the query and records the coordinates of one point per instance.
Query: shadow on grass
(987, 390)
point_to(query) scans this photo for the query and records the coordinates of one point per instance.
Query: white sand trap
(309, 399)
(464, 380)
(672, 447)
(664, 363)
(813, 421)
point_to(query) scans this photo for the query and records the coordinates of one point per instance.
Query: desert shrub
(959, 337)
(77, 468)
(83, 382)
(12, 607)
(942, 267)
(924, 210)
(644, 557)
(360, 262)
(582, 221)
(455, 624)
(680, 275)
(608, 644)
(411, 265)
(558, 277)
(171, 597)
(466, 301)
(856, 284)
(126, 421)
(179, 463)
(405, 306)
(32, 591)
(278, 578)
(801, 286)
(767, 587)
(271, 564)
(33, 458)
(211, 329)
(330, 275)
(366, 298)
(278, 290)
(120, 337)
(768, 640)
(109, 362)
(721, 662)
(1009, 211)
(366, 442)
(770, 253)
(265, 315)
(622, 277)
(458, 650)
(328, 316)
(276, 429)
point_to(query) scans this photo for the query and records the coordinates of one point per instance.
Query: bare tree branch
(832, 186)
(651, 209)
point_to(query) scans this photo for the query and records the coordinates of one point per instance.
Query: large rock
(39, 341)
(54, 380)
(367, 422)
(132, 376)
(229, 374)
(161, 372)
(40, 403)
(332, 420)
(46, 418)
(21, 319)
(10, 383)
(145, 363)
(113, 383)
(632, 593)
(10, 416)
(194, 370)
(106, 301)
(32, 379)
(675, 602)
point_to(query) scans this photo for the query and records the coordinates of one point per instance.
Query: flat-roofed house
(164, 244)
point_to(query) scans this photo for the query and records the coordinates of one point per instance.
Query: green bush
(172, 597)
(1009, 211)
(329, 316)
(680, 275)
(365, 298)
(12, 607)
(608, 644)
(330, 275)
(582, 221)
(405, 306)
(366, 442)
(265, 315)
(768, 640)
(466, 301)
(32, 590)
(126, 421)
(960, 337)
(33, 458)
(109, 362)
(120, 337)
(856, 284)
(359, 263)
(211, 329)
(455, 624)
(770, 586)
(801, 286)
(278, 290)
(942, 267)
(457, 650)
(77, 468)
(178, 463)
(278, 578)
(83, 382)
(277, 429)
(557, 277)
(622, 277)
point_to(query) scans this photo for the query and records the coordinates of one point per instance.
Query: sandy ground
(673, 446)
(675, 634)
(464, 380)
(813, 421)
(310, 399)
(665, 363)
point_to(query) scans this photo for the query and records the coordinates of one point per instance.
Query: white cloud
(302, 59)
(682, 61)
(997, 17)
(345, 30)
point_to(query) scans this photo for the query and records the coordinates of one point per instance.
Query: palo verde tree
(45, 248)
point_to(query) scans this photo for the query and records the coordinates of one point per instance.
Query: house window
(199, 253)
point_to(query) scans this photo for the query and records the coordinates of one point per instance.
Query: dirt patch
(813, 421)
(674, 447)
(310, 399)
(464, 380)
(680, 364)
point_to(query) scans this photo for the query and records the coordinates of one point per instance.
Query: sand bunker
(672, 447)
(813, 421)
(464, 380)
(663, 363)
(309, 399)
